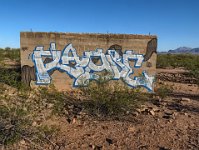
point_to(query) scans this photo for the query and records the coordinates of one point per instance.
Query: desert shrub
(163, 91)
(13, 54)
(59, 100)
(100, 98)
(1, 55)
(188, 61)
(10, 77)
(105, 98)
(14, 123)
(44, 136)
(17, 115)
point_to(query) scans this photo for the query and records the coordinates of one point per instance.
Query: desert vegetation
(21, 108)
(45, 118)
(10, 53)
(189, 62)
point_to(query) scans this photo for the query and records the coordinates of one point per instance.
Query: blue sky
(175, 22)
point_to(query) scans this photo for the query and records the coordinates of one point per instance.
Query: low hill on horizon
(185, 50)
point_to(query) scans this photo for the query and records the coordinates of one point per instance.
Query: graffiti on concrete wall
(83, 69)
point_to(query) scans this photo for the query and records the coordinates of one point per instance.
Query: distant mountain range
(183, 50)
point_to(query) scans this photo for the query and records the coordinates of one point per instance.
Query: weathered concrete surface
(140, 44)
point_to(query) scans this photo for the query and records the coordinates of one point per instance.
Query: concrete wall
(140, 44)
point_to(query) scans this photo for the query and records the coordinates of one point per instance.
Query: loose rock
(131, 129)
(185, 99)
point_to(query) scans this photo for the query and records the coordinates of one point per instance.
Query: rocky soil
(170, 123)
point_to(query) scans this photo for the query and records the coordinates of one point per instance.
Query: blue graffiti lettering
(84, 68)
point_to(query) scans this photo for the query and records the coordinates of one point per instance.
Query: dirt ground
(161, 124)
(171, 123)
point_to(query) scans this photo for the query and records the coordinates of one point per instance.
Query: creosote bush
(100, 98)
(107, 98)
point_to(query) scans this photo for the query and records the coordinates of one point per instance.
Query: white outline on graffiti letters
(84, 68)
